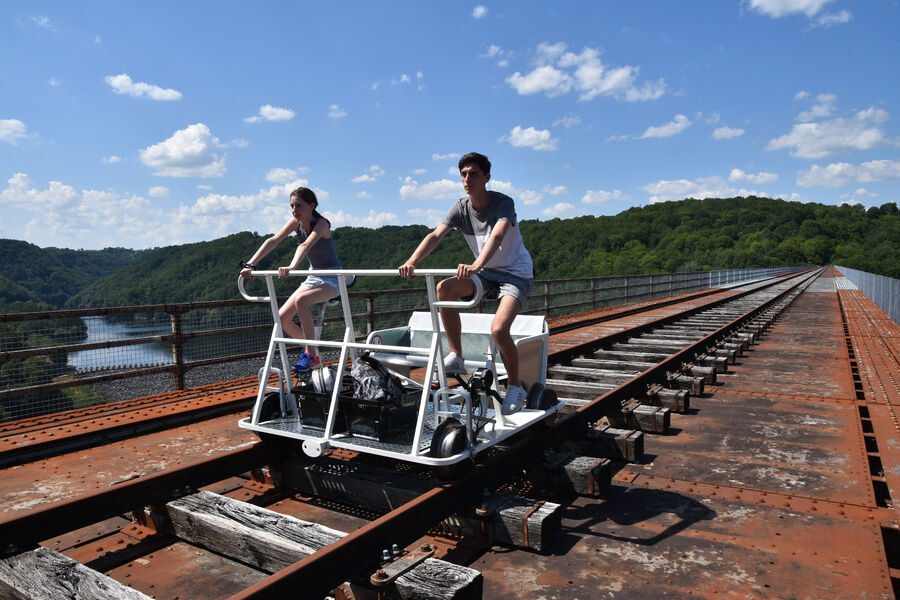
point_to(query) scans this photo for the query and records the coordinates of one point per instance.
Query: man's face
(473, 178)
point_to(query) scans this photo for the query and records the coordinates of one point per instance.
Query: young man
(488, 221)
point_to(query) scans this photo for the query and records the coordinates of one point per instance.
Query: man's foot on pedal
(514, 400)
(307, 362)
(454, 365)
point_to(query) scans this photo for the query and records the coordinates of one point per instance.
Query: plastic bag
(372, 381)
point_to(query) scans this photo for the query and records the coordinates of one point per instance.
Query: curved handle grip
(244, 292)
(471, 303)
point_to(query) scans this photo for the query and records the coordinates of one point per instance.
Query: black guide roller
(449, 439)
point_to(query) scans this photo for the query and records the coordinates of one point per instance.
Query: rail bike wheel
(449, 439)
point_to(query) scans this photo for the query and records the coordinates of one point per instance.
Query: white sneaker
(514, 400)
(454, 365)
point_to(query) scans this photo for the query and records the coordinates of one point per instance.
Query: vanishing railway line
(618, 385)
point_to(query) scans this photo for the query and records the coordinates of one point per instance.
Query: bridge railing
(58, 360)
(883, 291)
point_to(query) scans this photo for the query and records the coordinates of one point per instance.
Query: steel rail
(21, 532)
(321, 572)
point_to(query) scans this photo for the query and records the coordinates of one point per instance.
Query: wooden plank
(430, 580)
(44, 574)
(634, 415)
(608, 442)
(526, 523)
(272, 541)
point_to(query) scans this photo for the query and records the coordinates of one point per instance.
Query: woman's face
(300, 208)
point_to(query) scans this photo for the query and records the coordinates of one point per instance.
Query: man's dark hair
(479, 160)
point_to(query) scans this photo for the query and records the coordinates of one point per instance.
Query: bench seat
(529, 333)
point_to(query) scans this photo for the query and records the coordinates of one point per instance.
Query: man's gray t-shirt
(511, 257)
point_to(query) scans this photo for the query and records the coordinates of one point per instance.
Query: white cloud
(525, 196)
(54, 82)
(158, 191)
(363, 195)
(555, 190)
(371, 174)
(824, 106)
(559, 72)
(419, 171)
(603, 197)
(673, 127)
(283, 175)
(702, 187)
(479, 12)
(498, 55)
(739, 176)
(190, 152)
(568, 121)
(239, 143)
(203, 187)
(43, 22)
(726, 133)
(842, 173)
(783, 8)
(268, 112)
(832, 19)
(838, 136)
(443, 189)
(427, 216)
(111, 159)
(801, 95)
(372, 220)
(448, 156)
(122, 84)
(12, 130)
(536, 139)
(560, 209)
(336, 112)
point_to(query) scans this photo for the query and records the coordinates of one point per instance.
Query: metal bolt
(425, 548)
(395, 550)
(385, 554)
(380, 574)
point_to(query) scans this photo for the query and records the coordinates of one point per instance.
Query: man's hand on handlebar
(407, 271)
(247, 273)
(466, 271)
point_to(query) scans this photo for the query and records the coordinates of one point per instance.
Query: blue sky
(143, 124)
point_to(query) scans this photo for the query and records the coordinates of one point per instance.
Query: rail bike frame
(434, 406)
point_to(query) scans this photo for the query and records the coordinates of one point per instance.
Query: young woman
(314, 233)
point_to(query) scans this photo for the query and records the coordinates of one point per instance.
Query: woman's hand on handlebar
(283, 272)
(247, 273)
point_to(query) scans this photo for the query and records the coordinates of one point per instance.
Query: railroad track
(617, 387)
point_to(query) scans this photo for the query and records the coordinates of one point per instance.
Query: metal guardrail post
(593, 294)
(177, 348)
(546, 299)
(370, 314)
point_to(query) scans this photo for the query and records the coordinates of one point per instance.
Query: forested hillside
(671, 236)
(42, 278)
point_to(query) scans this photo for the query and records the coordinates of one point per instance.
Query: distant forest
(687, 235)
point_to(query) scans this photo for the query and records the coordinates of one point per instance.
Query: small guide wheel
(449, 439)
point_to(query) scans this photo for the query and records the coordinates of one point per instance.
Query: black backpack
(372, 381)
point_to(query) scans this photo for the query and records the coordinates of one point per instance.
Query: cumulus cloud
(372, 220)
(843, 173)
(673, 127)
(111, 159)
(371, 174)
(739, 176)
(448, 156)
(498, 55)
(158, 191)
(702, 187)
(560, 209)
(557, 190)
(832, 19)
(283, 175)
(122, 84)
(443, 189)
(12, 130)
(824, 106)
(862, 131)
(603, 197)
(783, 8)
(568, 121)
(558, 72)
(43, 22)
(479, 12)
(267, 112)
(336, 112)
(536, 139)
(525, 196)
(427, 216)
(190, 152)
(726, 133)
